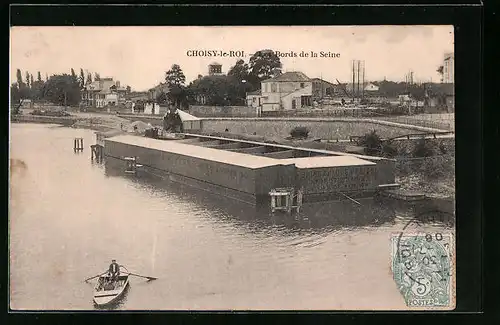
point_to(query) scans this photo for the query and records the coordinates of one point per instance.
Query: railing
(355, 138)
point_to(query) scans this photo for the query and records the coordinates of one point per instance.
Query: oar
(142, 276)
(95, 276)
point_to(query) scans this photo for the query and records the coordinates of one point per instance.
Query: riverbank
(92, 121)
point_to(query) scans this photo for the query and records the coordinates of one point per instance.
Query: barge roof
(328, 161)
(221, 156)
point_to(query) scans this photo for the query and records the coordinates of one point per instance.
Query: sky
(140, 56)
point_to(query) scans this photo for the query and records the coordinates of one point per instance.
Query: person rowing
(114, 271)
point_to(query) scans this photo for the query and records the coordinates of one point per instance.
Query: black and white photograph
(202, 168)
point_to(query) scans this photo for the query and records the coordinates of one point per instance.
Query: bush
(299, 132)
(424, 148)
(372, 143)
(389, 149)
(438, 167)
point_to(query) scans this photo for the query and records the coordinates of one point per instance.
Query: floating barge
(252, 171)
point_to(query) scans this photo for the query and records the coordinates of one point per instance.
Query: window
(301, 85)
(274, 87)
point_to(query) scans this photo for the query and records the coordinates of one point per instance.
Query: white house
(253, 98)
(288, 91)
(371, 87)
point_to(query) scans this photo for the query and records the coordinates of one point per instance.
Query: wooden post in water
(78, 144)
(97, 152)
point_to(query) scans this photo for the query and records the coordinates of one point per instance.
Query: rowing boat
(107, 292)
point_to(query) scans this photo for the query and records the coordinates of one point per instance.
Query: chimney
(117, 84)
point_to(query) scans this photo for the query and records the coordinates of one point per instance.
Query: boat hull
(106, 296)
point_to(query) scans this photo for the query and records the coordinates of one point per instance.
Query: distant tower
(449, 68)
(215, 69)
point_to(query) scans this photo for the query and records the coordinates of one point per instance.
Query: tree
(37, 87)
(82, 78)
(424, 148)
(129, 89)
(89, 78)
(97, 77)
(264, 64)
(62, 89)
(299, 132)
(15, 95)
(19, 78)
(46, 77)
(175, 80)
(175, 76)
(239, 70)
(177, 94)
(31, 81)
(218, 90)
(440, 71)
(162, 98)
(372, 143)
(27, 79)
(73, 74)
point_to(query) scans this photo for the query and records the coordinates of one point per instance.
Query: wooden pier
(97, 152)
(78, 144)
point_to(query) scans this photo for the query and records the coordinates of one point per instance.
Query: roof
(221, 156)
(328, 161)
(289, 76)
(256, 92)
(186, 117)
(101, 84)
(163, 86)
(349, 86)
(322, 80)
(215, 63)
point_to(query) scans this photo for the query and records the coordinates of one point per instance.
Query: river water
(69, 217)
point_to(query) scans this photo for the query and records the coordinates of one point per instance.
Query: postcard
(232, 168)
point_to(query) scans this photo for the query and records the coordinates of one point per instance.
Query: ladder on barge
(285, 199)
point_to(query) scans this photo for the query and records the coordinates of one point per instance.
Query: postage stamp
(423, 267)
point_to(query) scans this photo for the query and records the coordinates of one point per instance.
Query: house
(288, 91)
(322, 88)
(161, 88)
(103, 92)
(440, 97)
(253, 98)
(215, 69)
(362, 89)
(370, 87)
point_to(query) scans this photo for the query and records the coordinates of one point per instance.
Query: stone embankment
(83, 120)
